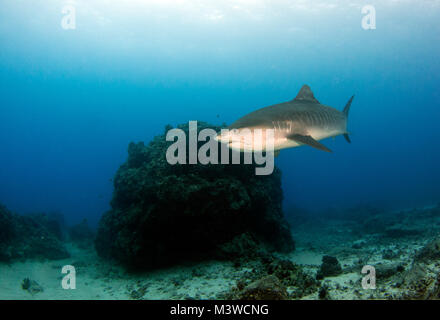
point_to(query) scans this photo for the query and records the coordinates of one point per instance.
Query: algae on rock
(29, 237)
(164, 213)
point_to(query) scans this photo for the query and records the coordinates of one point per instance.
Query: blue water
(72, 100)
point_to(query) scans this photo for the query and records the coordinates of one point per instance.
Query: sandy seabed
(99, 279)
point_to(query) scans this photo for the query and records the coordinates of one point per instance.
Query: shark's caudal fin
(347, 107)
(346, 111)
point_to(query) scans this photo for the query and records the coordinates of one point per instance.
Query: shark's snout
(228, 136)
(243, 139)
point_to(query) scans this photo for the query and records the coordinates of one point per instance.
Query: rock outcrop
(330, 267)
(29, 237)
(81, 234)
(164, 213)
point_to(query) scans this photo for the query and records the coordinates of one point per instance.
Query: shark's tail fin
(346, 111)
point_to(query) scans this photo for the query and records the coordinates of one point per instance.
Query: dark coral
(330, 267)
(34, 236)
(385, 271)
(292, 275)
(430, 252)
(32, 286)
(420, 284)
(287, 279)
(163, 213)
(266, 288)
(323, 293)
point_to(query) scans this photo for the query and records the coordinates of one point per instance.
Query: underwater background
(71, 101)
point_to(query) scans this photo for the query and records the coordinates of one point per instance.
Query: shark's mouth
(247, 139)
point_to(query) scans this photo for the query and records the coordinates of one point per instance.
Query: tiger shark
(301, 121)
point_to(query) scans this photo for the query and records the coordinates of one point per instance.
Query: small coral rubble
(266, 288)
(273, 278)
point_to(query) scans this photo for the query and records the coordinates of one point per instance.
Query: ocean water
(72, 97)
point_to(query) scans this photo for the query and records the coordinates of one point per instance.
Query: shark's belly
(319, 133)
(284, 143)
(281, 140)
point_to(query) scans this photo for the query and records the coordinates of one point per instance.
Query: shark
(301, 121)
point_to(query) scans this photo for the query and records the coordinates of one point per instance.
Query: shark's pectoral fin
(308, 140)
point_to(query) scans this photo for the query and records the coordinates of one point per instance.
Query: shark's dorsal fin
(306, 95)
